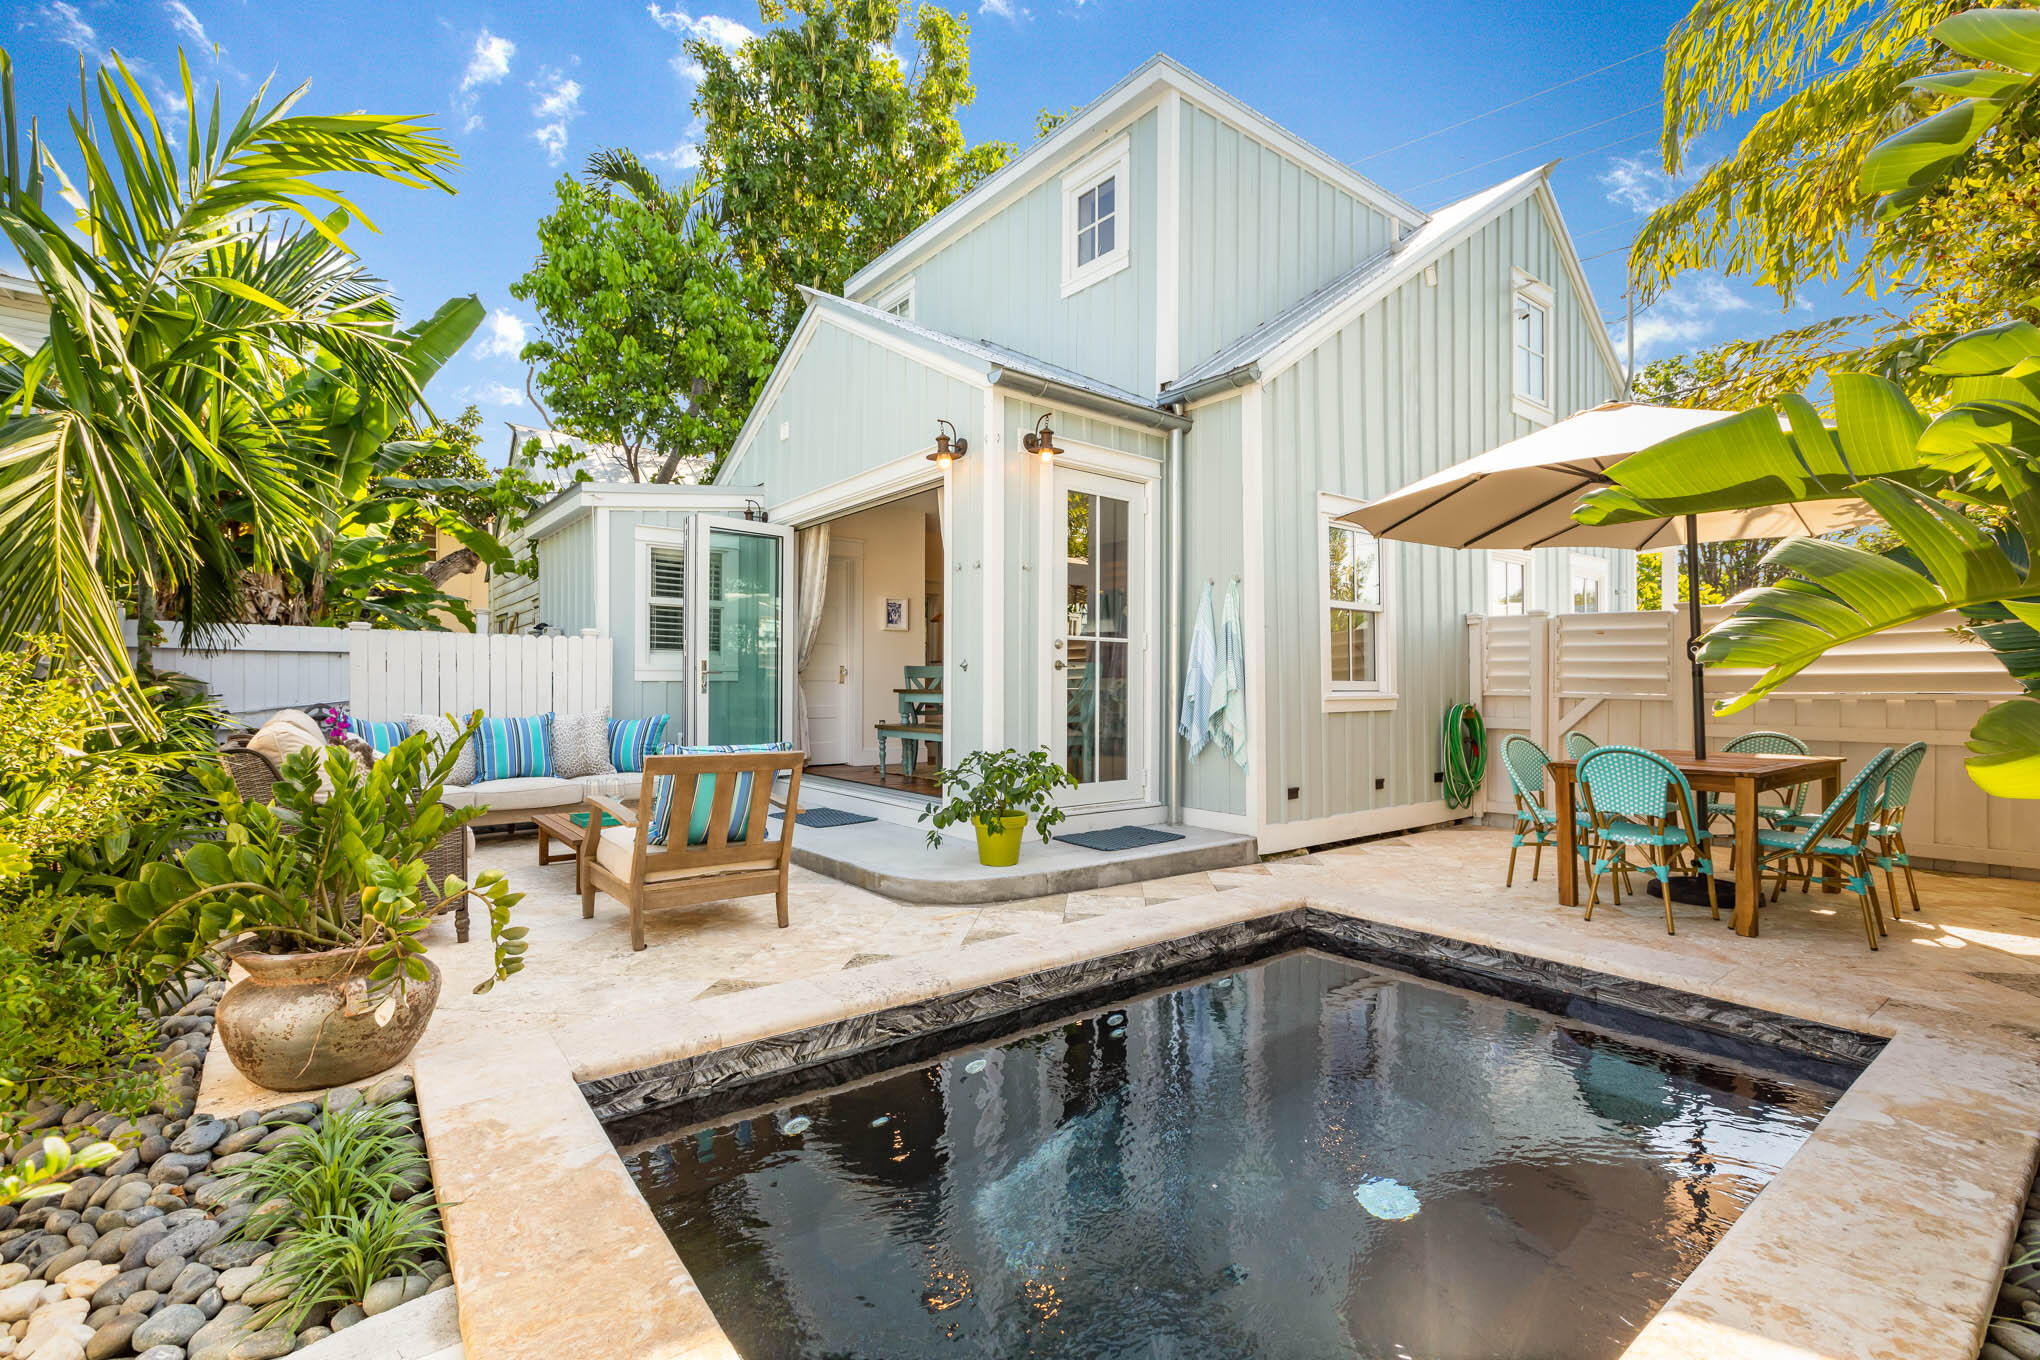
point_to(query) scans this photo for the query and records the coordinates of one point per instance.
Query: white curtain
(811, 547)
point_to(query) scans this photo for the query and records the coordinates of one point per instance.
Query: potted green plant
(320, 895)
(999, 792)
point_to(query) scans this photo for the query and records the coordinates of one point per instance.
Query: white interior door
(831, 683)
(1097, 653)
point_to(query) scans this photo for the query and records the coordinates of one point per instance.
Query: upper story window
(1530, 312)
(898, 299)
(1508, 582)
(1096, 199)
(1589, 584)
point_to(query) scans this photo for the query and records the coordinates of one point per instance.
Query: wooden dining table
(1740, 775)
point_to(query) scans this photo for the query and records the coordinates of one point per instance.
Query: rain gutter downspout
(1172, 634)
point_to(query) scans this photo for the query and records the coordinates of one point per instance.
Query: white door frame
(1138, 480)
(697, 621)
(852, 700)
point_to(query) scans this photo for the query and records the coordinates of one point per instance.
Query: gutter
(1246, 375)
(1054, 393)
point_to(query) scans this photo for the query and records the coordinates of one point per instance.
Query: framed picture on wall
(896, 618)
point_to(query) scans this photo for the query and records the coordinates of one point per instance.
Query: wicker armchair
(254, 776)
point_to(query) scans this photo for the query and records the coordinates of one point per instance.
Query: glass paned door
(739, 625)
(1097, 642)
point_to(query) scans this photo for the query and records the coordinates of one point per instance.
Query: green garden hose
(1465, 740)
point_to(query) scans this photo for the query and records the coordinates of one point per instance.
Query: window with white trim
(1095, 211)
(1530, 313)
(1509, 582)
(1589, 584)
(1356, 578)
(662, 603)
(898, 300)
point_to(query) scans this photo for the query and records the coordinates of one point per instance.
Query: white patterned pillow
(445, 730)
(580, 743)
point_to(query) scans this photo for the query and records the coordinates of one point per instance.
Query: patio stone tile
(981, 934)
(860, 960)
(1183, 885)
(724, 986)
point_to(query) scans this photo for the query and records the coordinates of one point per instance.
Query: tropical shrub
(336, 861)
(994, 787)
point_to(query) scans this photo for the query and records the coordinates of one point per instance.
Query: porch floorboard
(898, 861)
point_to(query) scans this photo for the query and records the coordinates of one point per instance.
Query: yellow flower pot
(999, 846)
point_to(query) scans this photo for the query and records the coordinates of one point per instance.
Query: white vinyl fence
(391, 674)
(264, 669)
(1623, 678)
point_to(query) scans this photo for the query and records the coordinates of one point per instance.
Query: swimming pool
(1304, 1156)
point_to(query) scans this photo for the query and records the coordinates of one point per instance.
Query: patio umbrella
(1521, 495)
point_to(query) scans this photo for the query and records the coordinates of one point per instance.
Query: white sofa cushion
(512, 795)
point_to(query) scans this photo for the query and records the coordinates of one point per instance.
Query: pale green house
(1232, 339)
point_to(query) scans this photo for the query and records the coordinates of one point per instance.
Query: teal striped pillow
(632, 739)
(704, 796)
(381, 735)
(513, 748)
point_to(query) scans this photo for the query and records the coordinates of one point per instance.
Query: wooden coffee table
(569, 829)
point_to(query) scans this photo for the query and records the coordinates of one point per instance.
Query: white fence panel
(1622, 678)
(391, 674)
(262, 669)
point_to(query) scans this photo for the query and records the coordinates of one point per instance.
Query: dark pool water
(1203, 1173)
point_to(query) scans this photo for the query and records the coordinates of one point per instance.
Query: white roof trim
(583, 498)
(1130, 95)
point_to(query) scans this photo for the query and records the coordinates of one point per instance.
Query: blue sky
(525, 92)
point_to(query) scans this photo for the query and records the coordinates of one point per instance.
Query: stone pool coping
(1882, 1236)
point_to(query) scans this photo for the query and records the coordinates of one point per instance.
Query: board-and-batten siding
(1258, 233)
(1027, 660)
(566, 577)
(1002, 280)
(1214, 553)
(1420, 381)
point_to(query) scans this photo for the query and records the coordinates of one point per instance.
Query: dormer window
(1096, 200)
(1530, 309)
(898, 300)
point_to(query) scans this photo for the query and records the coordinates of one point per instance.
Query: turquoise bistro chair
(1888, 831)
(1837, 841)
(1577, 744)
(1765, 744)
(1638, 800)
(1536, 823)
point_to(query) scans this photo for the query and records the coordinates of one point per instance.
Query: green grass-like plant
(334, 1260)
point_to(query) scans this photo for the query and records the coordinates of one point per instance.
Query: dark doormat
(1691, 890)
(821, 818)
(1120, 838)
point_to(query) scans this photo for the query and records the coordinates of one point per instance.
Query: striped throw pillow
(632, 739)
(704, 796)
(381, 735)
(513, 748)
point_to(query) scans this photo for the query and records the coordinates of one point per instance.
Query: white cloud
(1007, 10)
(686, 67)
(493, 394)
(559, 103)
(489, 62)
(186, 23)
(684, 155)
(502, 335)
(68, 26)
(1685, 315)
(713, 29)
(1636, 184)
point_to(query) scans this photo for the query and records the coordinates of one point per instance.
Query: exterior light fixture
(1041, 440)
(949, 445)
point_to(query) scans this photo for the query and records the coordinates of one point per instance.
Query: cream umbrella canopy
(1522, 495)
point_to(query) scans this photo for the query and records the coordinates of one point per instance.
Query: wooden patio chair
(716, 844)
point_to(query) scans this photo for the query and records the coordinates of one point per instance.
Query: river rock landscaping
(2015, 1327)
(152, 1256)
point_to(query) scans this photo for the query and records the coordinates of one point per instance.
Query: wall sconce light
(948, 447)
(1041, 440)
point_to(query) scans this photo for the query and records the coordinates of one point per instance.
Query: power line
(1504, 108)
(1506, 155)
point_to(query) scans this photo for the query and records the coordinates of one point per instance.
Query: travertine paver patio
(1881, 1238)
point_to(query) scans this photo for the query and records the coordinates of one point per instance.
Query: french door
(1098, 629)
(739, 632)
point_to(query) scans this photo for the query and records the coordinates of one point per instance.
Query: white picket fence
(1624, 678)
(391, 674)
(264, 668)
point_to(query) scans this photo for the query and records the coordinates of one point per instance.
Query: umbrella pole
(1693, 637)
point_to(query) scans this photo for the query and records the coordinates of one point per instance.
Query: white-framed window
(1096, 226)
(1359, 653)
(662, 603)
(1511, 582)
(1589, 585)
(898, 299)
(1530, 313)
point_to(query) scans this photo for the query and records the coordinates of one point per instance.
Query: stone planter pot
(304, 1022)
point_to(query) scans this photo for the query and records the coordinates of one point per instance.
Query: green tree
(648, 336)
(825, 150)
(193, 275)
(1785, 208)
